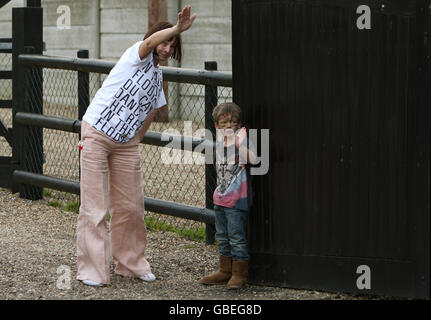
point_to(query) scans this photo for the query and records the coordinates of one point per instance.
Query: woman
(112, 127)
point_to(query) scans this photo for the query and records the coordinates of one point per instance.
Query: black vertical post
(34, 3)
(83, 87)
(211, 99)
(27, 149)
(32, 156)
(83, 92)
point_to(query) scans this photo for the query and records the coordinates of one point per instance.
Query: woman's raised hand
(185, 21)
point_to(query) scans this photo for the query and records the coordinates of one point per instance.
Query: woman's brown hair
(165, 25)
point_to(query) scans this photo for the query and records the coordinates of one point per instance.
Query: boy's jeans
(231, 232)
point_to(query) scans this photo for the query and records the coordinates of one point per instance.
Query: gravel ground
(37, 251)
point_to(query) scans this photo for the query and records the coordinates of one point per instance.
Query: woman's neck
(155, 61)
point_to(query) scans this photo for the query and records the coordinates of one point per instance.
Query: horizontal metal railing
(72, 125)
(204, 77)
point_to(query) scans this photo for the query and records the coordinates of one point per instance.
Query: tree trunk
(157, 11)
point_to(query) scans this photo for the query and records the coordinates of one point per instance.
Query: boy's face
(228, 124)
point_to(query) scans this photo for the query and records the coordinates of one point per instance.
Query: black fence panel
(27, 154)
(345, 205)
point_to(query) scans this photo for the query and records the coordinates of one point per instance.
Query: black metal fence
(49, 96)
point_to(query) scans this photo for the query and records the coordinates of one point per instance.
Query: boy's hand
(184, 20)
(240, 136)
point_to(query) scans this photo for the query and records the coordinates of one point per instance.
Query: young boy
(230, 198)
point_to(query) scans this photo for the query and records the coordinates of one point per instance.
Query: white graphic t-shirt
(132, 90)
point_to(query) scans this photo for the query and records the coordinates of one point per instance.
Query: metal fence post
(211, 99)
(32, 156)
(34, 3)
(83, 87)
(83, 93)
(27, 150)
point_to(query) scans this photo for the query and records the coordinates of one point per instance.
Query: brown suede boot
(239, 274)
(223, 275)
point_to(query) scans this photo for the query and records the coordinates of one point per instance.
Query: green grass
(155, 225)
(46, 193)
(69, 206)
(192, 234)
(72, 206)
(54, 204)
(189, 246)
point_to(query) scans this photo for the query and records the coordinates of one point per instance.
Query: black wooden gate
(31, 37)
(347, 195)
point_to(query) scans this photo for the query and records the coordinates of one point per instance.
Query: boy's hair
(226, 108)
(165, 25)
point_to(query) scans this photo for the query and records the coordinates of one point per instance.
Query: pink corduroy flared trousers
(111, 181)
